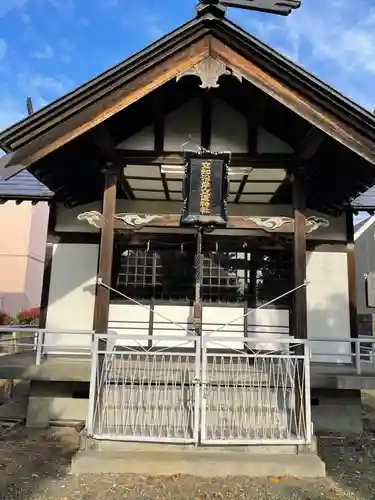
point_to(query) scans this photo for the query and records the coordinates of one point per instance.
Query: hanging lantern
(205, 190)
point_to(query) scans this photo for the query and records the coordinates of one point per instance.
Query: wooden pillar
(47, 266)
(106, 253)
(300, 299)
(299, 313)
(351, 276)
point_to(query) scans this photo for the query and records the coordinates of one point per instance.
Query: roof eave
(96, 84)
(25, 198)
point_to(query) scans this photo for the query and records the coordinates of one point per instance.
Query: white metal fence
(255, 396)
(44, 341)
(199, 391)
(349, 353)
(145, 394)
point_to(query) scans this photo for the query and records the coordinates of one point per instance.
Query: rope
(198, 266)
(260, 307)
(100, 282)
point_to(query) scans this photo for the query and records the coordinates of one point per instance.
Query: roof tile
(23, 185)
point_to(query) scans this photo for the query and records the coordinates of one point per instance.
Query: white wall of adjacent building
(22, 253)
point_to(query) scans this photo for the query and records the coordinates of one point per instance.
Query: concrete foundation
(51, 402)
(333, 411)
(338, 412)
(123, 458)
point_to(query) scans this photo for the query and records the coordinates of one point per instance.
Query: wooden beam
(241, 188)
(159, 121)
(105, 143)
(300, 301)
(107, 147)
(106, 253)
(254, 117)
(107, 106)
(271, 161)
(295, 101)
(137, 221)
(206, 118)
(310, 145)
(165, 185)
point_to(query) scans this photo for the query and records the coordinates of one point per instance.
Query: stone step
(106, 445)
(202, 462)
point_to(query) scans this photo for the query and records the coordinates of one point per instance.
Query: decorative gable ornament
(209, 71)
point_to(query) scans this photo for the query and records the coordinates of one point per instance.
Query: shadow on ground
(30, 458)
(35, 465)
(351, 461)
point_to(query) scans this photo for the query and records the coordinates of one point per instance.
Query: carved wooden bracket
(124, 221)
(94, 218)
(209, 71)
(272, 224)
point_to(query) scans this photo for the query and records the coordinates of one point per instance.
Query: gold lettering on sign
(206, 177)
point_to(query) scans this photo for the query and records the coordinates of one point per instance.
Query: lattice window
(168, 275)
(274, 276)
(162, 275)
(226, 276)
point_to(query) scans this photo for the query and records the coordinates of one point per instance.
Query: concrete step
(202, 462)
(124, 447)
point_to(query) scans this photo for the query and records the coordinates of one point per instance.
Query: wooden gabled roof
(70, 117)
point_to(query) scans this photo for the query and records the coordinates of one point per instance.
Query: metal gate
(187, 389)
(140, 393)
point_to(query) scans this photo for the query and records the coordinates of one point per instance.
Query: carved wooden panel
(125, 221)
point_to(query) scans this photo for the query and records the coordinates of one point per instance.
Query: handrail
(363, 348)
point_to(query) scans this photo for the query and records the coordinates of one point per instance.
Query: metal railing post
(308, 426)
(39, 346)
(93, 386)
(357, 357)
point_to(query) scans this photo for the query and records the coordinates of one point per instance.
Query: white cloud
(44, 84)
(7, 6)
(335, 40)
(45, 52)
(3, 48)
(10, 111)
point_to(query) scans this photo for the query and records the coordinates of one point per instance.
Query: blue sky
(48, 47)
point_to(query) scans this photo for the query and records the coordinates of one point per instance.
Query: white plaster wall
(268, 325)
(229, 128)
(183, 125)
(229, 131)
(181, 315)
(218, 317)
(72, 295)
(268, 143)
(133, 321)
(142, 141)
(129, 320)
(328, 306)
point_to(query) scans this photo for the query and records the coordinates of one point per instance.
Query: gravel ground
(34, 465)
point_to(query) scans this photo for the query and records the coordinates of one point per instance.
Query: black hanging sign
(205, 190)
